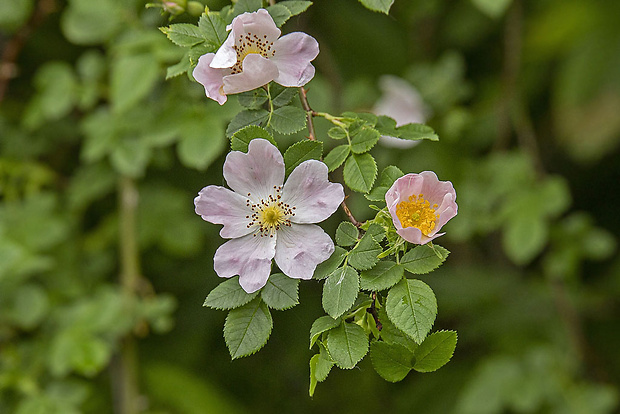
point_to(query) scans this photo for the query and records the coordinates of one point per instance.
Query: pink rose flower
(420, 205)
(265, 219)
(401, 102)
(254, 55)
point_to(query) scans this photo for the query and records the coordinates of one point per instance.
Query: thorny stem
(14, 46)
(310, 114)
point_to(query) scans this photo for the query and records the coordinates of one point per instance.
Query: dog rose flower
(420, 205)
(253, 55)
(265, 219)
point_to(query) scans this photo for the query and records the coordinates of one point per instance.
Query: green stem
(125, 376)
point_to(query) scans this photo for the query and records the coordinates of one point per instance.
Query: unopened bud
(196, 8)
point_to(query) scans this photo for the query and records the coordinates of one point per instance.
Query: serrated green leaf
(245, 118)
(392, 335)
(228, 295)
(337, 133)
(392, 362)
(322, 324)
(347, 345)
(281, 292)
(335, 260)
(424, 259)
(383, 276)
(324, 364)
(213, 28)
(279, 14)
(243, 6)
(435, 352)
(340, 291)
(296, 6)
(346, 234)
(364, 255)
(302, 151)
(364, 140)
(386, 126)
(132, 78)
(241, 139)
(360, 172)
(412, 307)
(416, 132)
(382, 6)
(281, 95)
(180, 68)
(288, 120)
(201, 142)
(376, 231)
(196, 51)
(184, 34)
(253, 99)
(247, 329)
(337, 156)
(313, 381)
(388, 176)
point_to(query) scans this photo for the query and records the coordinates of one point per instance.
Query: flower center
(270, 214)
(417, 212)
(250, 43)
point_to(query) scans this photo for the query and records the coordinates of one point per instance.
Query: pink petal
(219, 205)
(249, 257)
(257, 71)
(300, 248)
(292, 57)
(309, 191)
(257, 172)
(259, 23)
(211, 78)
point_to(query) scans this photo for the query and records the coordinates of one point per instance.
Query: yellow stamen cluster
(251, 43)
(270, 214)
(417, 212)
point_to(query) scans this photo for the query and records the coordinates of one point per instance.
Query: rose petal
(293, 54)
(300, 248)
(257, 172)
(219, 205)
(211, 78)
(257, 71)
(310, 192)
(249, 257)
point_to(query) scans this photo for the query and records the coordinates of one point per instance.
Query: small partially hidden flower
(266, 219)
(420, 205)
(254, 55)
(400, 101)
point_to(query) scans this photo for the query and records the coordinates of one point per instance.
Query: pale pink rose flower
(266, 219)
(420, 205)
(253, 55)
(403, 103)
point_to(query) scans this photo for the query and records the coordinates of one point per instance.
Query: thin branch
(303, 97)
(349, 214)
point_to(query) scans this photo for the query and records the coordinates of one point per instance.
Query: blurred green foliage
(525, 96)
